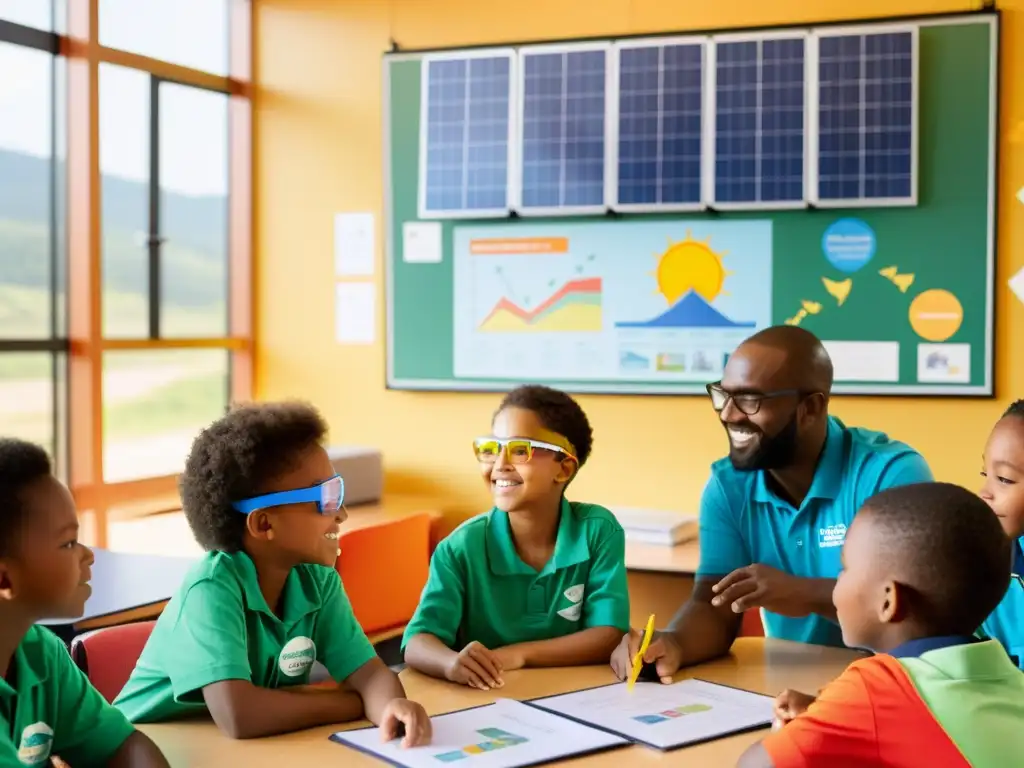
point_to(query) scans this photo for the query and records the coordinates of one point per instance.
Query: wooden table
(765, 666)
(660, 579)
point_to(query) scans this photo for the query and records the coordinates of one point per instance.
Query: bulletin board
(605, 294)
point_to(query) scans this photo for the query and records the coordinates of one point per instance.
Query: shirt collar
(296, 603)
(828, 476)
(922, 645)
(26, 675)
(1017, 567)
(570, 545)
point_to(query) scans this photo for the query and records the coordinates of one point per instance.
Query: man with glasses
(774, 513)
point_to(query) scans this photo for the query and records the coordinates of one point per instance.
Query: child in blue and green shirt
(537, 581)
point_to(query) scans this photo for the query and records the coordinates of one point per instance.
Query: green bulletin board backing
(925, 254)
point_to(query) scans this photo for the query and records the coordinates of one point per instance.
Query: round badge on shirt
(297, 656)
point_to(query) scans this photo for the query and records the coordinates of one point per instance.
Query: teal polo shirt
(479, 588)
(1006, 622)
(218, 626)
(48, 707)
(743, 522)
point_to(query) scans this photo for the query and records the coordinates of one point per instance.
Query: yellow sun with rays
(690, 265)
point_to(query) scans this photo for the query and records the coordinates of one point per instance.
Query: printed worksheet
(505, 734)
(665, 716)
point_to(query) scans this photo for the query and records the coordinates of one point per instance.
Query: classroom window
(125, 180)
(190, 33)
(37, 14)
(164, 163)
(865, 118)
(192, 233)
(467, 121)
(759, 93)
(154, 404)
(660, 136)
(563, 121)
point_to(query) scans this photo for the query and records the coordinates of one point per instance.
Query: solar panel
(660, 126)
(466, 144)
(759, 122)
(563, 130)
(865, 117)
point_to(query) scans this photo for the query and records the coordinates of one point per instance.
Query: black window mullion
(154, 240)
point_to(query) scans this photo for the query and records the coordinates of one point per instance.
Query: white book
(505, 734)
(656, 526)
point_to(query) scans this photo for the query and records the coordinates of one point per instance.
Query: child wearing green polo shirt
(536, 582)
(242, 633)
(48, 708)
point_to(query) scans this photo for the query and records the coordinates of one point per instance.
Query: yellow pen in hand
(638, 660)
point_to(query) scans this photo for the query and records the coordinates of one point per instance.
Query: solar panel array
(660, 140)
(859, 106)
(866, 116)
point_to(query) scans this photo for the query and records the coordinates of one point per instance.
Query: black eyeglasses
(747, 402)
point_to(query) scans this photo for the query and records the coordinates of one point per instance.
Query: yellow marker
(638, 660)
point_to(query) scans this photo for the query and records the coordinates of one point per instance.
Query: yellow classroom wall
(318, 133)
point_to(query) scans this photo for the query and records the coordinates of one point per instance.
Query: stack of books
(656, 526)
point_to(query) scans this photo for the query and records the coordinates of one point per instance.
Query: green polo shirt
(479, 589)
(219, 627)
(48, 707)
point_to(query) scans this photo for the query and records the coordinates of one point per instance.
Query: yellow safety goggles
(518, 449)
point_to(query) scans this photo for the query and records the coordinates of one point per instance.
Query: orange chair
(107, 656)
(384, 568)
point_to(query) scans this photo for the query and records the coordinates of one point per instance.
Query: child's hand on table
(788, 705)
(509, 658)
(408, 719)
(476, 666)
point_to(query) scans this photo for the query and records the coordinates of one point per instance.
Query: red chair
(107, 656)
(752, 625)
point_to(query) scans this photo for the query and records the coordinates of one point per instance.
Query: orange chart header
(496, 246)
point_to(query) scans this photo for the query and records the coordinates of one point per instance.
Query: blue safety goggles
(328, 497)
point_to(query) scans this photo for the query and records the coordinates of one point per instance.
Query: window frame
(85, 342)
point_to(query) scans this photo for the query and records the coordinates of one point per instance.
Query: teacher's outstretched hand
(663, 651)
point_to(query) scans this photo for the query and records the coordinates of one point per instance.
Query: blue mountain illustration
(691, 311)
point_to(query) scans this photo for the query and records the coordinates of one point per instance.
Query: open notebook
(513, 734)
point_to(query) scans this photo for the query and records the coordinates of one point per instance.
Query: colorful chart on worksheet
(666, 716)
(657, 301)
(506, 734)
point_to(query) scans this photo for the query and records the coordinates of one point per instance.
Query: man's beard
(776, 452)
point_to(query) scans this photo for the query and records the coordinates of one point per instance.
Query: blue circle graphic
(848, 244)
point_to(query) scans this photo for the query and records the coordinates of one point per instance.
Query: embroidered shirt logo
(831, 536)
(574, 595)
(297, 656)
(36, 743)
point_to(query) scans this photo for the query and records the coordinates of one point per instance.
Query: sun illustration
(690, 265)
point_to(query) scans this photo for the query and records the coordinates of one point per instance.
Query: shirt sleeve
(439, 612)
(88, 730)
(905, 469)
(341, 643)
(606, 600)
(837, 730)
(722, 549)
(208, 643)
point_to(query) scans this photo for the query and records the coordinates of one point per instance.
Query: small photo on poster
(944, 363)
